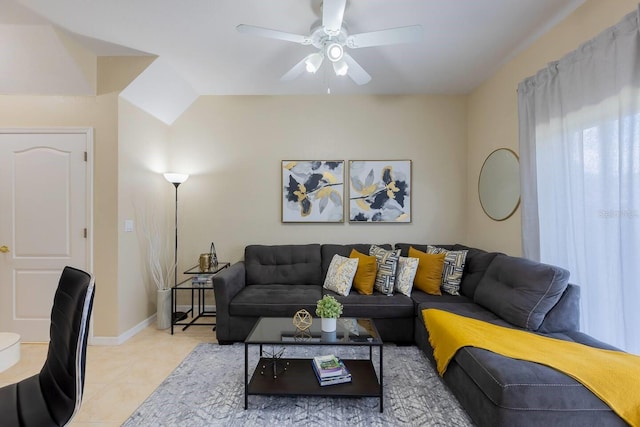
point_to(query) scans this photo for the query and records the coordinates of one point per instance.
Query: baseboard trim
(138, 328)
(125, 336)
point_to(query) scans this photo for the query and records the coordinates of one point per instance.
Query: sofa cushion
(365, 274)
(517, 384)
(465, 307)
(340, 274)
(283, 264)
(565, 315)
(387, 268)
(275, 300)
(407, 268)
(376, 306)
(521, 291)
(453, 268)
(476, 264)
(419, 297)
(429, 275)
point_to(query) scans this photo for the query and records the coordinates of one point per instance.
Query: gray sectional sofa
(277, 281)
(508, 291)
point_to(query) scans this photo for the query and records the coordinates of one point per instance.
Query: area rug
(207, 389)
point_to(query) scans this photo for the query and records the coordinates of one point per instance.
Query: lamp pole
(175, 252)
(176, 179)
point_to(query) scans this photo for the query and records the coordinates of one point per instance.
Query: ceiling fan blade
(355, 71)
(332, 15)
(273, 34)
(398, 35)
(295, 71)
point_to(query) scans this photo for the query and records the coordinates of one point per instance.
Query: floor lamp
(176, 179)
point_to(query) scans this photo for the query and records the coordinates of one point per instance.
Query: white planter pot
(329, 337)
(328, 324)
(163, 316)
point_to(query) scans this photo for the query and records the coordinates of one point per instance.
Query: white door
(44, 213)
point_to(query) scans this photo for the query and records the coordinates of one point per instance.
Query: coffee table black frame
(299, 378)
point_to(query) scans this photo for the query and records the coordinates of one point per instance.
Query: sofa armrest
(565, 314)
(226, 285)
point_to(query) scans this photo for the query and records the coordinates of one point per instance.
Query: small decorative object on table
(350, 325)
(206, 261)
(329, 309)
(302, 320)
(272, 362)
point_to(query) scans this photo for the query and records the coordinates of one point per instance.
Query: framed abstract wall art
(312, 190)
(380, 191)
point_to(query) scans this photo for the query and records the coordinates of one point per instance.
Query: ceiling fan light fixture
(335, 52)
(313, 62)
(329, 35)
(341, 68)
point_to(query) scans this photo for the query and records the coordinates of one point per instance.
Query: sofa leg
(224, 342)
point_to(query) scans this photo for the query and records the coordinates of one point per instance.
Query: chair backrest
(62, 376)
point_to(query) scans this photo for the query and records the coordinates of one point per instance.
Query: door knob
(4, 249)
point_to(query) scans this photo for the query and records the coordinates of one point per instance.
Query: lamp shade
(176, 178)
(313, 62)
(341, 68)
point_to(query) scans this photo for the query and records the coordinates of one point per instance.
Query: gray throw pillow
(521, 291)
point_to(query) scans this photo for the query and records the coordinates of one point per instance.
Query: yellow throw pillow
(429, 275)
(366, 273)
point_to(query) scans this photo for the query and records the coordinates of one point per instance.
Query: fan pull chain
(326, 80)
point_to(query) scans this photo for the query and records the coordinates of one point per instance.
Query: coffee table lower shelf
(300, 380)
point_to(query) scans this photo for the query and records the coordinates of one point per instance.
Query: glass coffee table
(278, 375)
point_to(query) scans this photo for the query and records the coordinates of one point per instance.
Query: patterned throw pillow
(340, 274)
(453, 268)
(407, 268)
(387, 266)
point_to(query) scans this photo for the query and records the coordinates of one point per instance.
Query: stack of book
(201, 279)
(330, 370)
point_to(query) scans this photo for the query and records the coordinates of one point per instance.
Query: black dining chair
(53, 397)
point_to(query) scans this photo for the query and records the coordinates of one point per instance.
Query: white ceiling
(465, 41)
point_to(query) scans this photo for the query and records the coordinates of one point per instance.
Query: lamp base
(178, 316)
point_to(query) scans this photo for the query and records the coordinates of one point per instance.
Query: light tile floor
(119, 378)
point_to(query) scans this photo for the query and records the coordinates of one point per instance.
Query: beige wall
(493, 111)
(143, 194)
(232, 146)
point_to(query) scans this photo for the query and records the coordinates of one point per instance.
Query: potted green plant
(329, 309)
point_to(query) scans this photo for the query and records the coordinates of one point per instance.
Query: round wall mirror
(499, 184)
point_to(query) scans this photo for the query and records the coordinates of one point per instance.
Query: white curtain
(580, 175)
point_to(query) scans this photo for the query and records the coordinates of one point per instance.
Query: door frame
(88, 132)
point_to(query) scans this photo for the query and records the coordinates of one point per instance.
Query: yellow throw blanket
(613, 376)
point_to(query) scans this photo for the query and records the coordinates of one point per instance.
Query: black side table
(196, 311)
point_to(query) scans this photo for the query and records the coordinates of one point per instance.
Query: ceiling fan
(330, 37)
